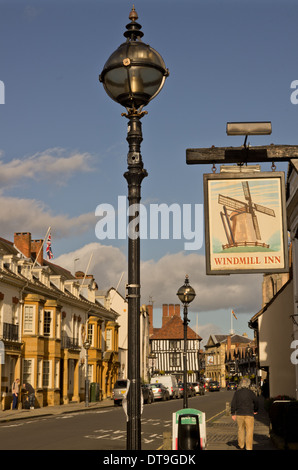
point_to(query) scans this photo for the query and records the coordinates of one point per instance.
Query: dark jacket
(244, 403)
(29, 389)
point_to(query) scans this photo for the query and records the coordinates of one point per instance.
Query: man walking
(243, 408)
(15, 388)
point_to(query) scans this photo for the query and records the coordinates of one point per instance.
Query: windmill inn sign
(245, 223)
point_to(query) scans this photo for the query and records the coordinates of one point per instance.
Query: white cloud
(35, 217)
(55, 163)
(107, 264)
(162, 278)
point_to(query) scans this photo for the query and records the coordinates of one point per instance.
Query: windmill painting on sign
(245, 225)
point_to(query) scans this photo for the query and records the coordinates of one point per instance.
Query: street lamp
(186, 295)
(132, 76)
(86, 346)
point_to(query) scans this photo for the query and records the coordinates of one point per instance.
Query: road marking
(212, 417)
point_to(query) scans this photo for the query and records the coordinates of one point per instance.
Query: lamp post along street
(132, 76)
(86, 346)
(186, 295)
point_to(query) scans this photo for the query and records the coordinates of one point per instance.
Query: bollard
(228, 408)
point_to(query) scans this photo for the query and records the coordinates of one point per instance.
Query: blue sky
(63, 140)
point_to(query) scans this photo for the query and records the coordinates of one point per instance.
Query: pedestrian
(265, 389)
(243, 408)
(31, 394)
(15, 388)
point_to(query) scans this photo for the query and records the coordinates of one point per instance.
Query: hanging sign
(245, 223)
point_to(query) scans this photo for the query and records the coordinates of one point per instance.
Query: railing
(69, 343)
(10, 332)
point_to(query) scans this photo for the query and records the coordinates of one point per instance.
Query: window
(29, 319)
(90, 333)
(90, 372)
(47, 323)
(108, 340)
(27, 371)
(174, 360)
(46, 374)
(174, 344)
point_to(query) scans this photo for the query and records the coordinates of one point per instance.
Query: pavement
(221, 430)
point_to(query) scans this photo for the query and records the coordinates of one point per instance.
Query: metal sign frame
(239, 209)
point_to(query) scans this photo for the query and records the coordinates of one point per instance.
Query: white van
(168, 381)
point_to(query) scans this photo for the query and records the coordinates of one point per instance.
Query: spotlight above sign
(249, 128)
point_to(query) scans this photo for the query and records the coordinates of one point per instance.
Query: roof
(221, 339)
(174, 329)
(8, 247)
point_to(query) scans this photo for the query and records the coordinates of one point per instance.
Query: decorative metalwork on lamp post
(132, 76)
(186, 295)
(86, 346)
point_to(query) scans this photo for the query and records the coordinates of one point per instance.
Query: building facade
(229, 357)
(276, 324)
(44, 322)
(167, 345)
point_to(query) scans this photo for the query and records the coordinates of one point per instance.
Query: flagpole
(49, 229)
(232, 330)
(85, 274)
(231, 323)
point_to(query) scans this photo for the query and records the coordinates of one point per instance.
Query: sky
(63, 145)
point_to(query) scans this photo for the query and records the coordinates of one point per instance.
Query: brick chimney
(37, 250)
(177, 310)
(22, 241)
(229, 342)
(165, 315)
(171, 310)
(150, 311)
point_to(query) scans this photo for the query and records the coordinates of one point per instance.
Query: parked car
(199, 388)
(181, 389)
(232, 386)
(160, 391)
(170, 382)
(214, 386)
(148, 394)
(119, 391)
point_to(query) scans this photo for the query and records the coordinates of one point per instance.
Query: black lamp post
(86, 346)
(186, 295)
(132, 76)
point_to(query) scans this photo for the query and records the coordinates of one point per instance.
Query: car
(160, 392)
(232, 386)
(148, 394)
(170, 382)
(214, 386)
(192, 389)
(199, 388)
(119, 391)
(181, 389)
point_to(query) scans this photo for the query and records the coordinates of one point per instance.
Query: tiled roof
(174, 329)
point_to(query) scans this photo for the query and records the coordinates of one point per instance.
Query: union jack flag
(49, 248)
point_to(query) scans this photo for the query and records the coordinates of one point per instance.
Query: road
(103, 429)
